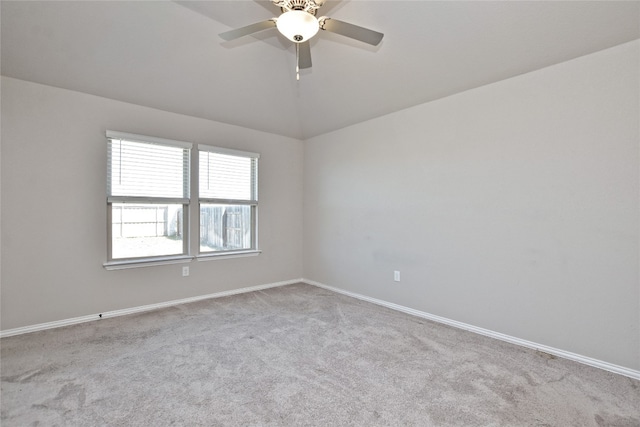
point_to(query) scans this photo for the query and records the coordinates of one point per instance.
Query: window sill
(226, 255)
(137, 263)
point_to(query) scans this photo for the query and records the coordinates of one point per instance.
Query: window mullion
(228, 201)
(157, 200)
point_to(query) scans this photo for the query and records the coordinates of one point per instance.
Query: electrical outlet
(396, 276)
(185, 271)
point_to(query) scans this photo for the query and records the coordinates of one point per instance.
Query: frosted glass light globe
(297, 25)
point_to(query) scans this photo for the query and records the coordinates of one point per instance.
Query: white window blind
(227, 174)
(155, 169)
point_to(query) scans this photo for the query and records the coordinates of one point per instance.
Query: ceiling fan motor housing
(309, 6)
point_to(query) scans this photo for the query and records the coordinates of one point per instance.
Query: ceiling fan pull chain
(297, 61)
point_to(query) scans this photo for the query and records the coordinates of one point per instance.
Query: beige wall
(512, 207)
(54, 207)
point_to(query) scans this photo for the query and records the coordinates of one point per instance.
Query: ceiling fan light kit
(299, 24)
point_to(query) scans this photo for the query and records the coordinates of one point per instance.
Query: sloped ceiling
(168, 55)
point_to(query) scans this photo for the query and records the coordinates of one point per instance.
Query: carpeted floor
(296, 355)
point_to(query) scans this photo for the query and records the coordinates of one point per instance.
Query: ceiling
(167, 55)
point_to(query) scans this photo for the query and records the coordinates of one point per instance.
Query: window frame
(253, 203)
(119, 263)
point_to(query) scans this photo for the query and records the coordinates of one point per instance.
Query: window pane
(137, 169)
(224, 176)
(225, 227)
(144, 230)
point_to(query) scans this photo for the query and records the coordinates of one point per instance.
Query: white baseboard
(631, 373)
(132, 310)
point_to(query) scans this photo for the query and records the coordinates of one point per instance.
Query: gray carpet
(296, 356)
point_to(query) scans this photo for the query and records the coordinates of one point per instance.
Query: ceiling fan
(299, 24)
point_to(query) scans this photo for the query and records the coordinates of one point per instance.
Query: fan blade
(352, 31)
(249, 29)
(304, 55)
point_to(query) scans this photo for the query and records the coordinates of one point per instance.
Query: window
(228, 200)
(147, 197)
(148, 201)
